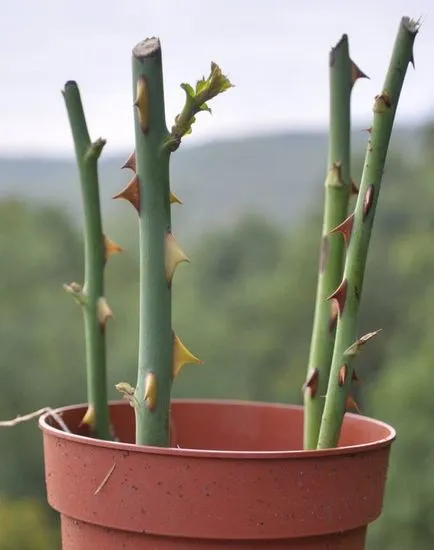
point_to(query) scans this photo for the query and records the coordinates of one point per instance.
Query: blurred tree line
(245, 306)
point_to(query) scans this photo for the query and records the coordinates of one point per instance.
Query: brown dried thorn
(351, 404)
(354, 377)
(345, 228)
(333, 316)
(312, 382)
(355, 348)
(339, 296)
(343, 373)
(130, 163)
(131, 193)
(356, 73)
(368, 200)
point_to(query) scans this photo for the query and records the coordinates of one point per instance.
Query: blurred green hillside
(251, 219)
(276, 175)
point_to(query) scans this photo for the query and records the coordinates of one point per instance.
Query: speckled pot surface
(238, 480)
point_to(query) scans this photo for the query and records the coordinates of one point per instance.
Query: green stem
(384, 115)
(87, 154)
(183, 123)
(155, 337)
(337, 192)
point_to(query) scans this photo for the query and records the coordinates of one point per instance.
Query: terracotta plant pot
(238, 480)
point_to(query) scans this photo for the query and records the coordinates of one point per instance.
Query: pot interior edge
(262, 418)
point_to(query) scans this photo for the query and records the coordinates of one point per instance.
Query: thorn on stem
(130, 163)
(412, 59)
(356, 73)
(131, 193)
(354, 377)
(339, 296)
(351, 404)
(311, 383)
(368, 201)
(173, 256)
(142, 103)
(345, 228)
(174, 199)
(354, 349)
(110, 247)
(89, 417)
(182, 356)
(104, 312)
(150, 396)
(333, 316)
(343, 373)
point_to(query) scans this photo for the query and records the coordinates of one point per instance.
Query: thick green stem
(152, 161)
(337, 192)
(348, 297)
(87, 154)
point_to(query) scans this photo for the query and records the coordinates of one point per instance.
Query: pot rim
(212, 453)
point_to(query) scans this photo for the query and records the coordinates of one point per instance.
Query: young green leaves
(195, 102)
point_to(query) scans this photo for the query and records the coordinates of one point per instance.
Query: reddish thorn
(343, 372)
(333, 316)
(356, 73)
(339, 296)
(351, 404)
(368, 200)
(354, 377)
(131, 193)
(312, 382)
(130, 163)
(345, 228)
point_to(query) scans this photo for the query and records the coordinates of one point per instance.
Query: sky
(274, 51)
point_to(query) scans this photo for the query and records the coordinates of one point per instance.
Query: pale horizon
(276, 54)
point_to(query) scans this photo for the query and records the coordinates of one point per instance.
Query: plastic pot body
(235, 478)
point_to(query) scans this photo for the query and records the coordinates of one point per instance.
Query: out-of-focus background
(251, 178)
